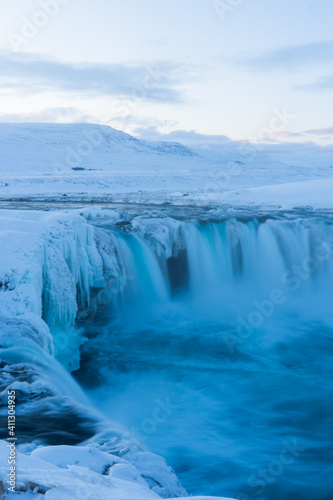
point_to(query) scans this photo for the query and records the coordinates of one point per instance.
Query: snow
(87, 162)
(39, 474)
(164, 234)
(59, 472)
(51, 264)
(74, 472)
(62, 456)
(314, 193)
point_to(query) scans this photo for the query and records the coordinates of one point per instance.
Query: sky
(257, 70)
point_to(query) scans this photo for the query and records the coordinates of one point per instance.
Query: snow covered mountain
(97, 163)
(50, 148)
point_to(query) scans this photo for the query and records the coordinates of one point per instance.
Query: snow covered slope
(88, 162)
(50, 148)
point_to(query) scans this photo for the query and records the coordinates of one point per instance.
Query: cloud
(302, 153)
(154, 132)
(289, 135)
(294, 134)
(280, 137)
(188, 138)
(320, 131)
(156, 82)
(49, 115)
(132, 124)
(290, 58)
(324, 83)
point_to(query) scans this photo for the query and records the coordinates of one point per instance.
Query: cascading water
(227, 375)
(146, 282)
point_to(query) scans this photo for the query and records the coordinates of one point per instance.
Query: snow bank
(68, 472)
(314, 193)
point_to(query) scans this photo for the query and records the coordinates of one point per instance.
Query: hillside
(86, 162)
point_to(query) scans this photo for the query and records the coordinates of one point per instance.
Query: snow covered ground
(85, 472)
(97, 163)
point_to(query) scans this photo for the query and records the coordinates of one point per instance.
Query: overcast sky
(229, 67)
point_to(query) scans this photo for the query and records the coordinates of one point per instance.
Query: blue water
(229, 376)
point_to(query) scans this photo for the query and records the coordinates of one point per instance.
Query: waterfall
(145, 282)
(229, 262)
(231, 323)
(226, 325)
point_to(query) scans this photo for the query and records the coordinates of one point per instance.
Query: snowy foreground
(51, 265)
(66, 473)
(97, 163)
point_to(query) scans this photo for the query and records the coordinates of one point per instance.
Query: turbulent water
(218, 355)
